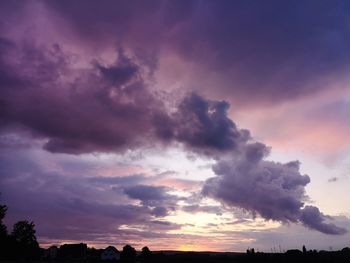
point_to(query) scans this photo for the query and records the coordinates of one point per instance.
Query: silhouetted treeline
(21, 245)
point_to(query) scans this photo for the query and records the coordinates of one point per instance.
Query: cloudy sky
(185, 125)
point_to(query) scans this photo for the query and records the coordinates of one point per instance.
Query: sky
(180, 125)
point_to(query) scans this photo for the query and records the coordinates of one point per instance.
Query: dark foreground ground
(257, 257)
(210, 257)
(291, 256)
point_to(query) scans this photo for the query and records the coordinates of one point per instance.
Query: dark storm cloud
(204, 124)
(271, 51)
(101, 109)
(274, 49)
(104, 108)
(272, 190)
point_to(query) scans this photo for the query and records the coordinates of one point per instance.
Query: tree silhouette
(3, 229)
(146, 254)
(4, 240)
(3, 209)
(23, 234)
(128, 254)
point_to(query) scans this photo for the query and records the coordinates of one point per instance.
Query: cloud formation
(56, 201)
(273, 190)
(104, 108)
(204, 124)
(111, 109)
(260, 52)
(314, 219)
(151, 195)
(74, 101)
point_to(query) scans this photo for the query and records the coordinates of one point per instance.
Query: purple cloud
(262, 52)
(56, 202)
(110, 109)
(258, 54)
(105, 108)
(120, 73)
(314, 219)
(272, 190)
(153, 196)
(204, 124)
